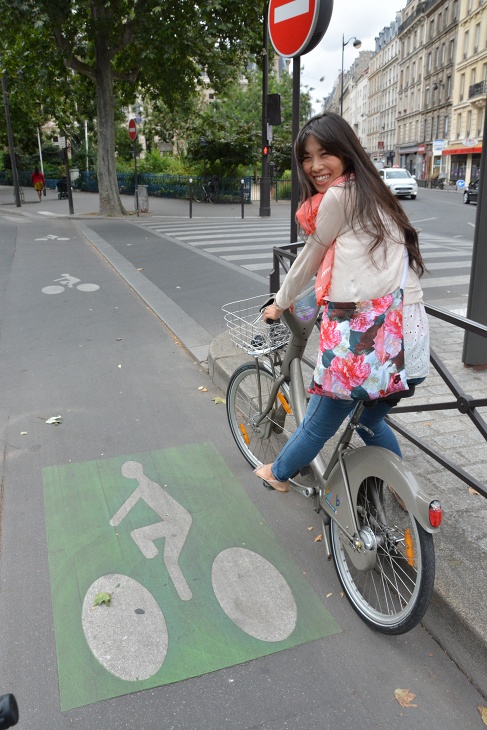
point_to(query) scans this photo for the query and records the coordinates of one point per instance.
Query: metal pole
(68, 174)
(40, 149)
(295, 130)
(265, 184)
(190, 197)
(474, 346)
(136, 180)
(242, 196)
(15, 176)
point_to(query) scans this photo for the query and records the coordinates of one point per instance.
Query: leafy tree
(232, 126)
(123, 48)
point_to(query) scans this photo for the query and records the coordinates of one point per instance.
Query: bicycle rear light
(435, 513)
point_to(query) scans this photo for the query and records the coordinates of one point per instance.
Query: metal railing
(283, 257)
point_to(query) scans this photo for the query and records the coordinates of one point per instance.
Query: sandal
(272, 483)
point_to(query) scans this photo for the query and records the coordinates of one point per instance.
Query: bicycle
(204, 194)
(379, 521)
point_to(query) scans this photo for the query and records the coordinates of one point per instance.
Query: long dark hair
(372, 197)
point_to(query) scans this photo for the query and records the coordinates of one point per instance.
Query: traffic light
(265, 150)
(274, 109)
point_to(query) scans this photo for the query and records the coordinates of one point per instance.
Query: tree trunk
(110, 203)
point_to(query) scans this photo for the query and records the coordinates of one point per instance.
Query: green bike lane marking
(198, 580)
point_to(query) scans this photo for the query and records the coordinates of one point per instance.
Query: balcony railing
(477, 89)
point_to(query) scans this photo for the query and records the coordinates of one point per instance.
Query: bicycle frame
(338, 482)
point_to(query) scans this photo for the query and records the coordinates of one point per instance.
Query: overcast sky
(361, 18)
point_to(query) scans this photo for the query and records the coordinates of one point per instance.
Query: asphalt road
(128, 393)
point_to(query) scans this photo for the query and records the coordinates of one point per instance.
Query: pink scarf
(306, 216)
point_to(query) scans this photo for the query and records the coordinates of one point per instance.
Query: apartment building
(410, 129)
(441, 28)
(382, 95)
(462, 153)
(427, 89)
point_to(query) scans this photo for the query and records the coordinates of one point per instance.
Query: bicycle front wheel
(391, 594)
(247, 396)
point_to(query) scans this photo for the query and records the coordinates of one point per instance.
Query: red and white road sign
(133, 130)
(297, 26)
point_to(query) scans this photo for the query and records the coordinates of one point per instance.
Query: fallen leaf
(483, 713)
(55, 420)
(310, 528)
(328, 595)
(404, 697)
(203, 389)
(23, 433)
(119, 366)
(218, 399)
(102, 597)
(341, 594)
(140, 269)
(318, 538)
(473, 491)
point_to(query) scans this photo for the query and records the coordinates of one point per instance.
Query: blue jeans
(323, 418)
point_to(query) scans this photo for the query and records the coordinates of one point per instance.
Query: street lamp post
(356, 44)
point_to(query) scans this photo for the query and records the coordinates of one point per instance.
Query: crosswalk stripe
(249, 245)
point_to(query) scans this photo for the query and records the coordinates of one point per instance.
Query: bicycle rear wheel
(247, 395)
(392, 593)
(198, 194)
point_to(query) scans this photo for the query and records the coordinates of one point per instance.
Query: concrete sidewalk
(457, 617)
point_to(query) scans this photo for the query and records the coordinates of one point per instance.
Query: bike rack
(283, 257)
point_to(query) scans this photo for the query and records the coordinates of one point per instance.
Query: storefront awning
(463, 151)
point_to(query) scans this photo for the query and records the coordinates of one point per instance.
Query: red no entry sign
(297, 26)
(133, 130)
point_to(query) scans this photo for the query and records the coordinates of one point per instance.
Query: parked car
(471, 194)
(400, 182)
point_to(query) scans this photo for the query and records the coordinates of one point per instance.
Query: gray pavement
(457, 618)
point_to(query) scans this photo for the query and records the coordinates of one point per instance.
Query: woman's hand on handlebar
(273, 312)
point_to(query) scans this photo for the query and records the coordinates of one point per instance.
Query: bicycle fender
(375, 461)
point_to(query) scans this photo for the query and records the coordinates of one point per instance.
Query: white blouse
(355, 277)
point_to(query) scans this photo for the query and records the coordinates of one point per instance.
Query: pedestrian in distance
(365, 253)
(38, 181)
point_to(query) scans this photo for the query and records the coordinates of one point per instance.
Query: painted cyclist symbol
(131, 639)
(66, 280)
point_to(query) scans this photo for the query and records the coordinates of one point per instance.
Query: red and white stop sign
(133, 130)
(297, 26)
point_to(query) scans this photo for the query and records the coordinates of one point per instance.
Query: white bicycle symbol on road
(66, 280)
(130, 638)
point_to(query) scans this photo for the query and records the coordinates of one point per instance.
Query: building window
(465, 44)
(446, 125)
(459, 125)
(455, 10)
(462, 86)
(477, 38)
(452, 49)
(469, 123)
(480, 122)
(432, 29)
(448, 87)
